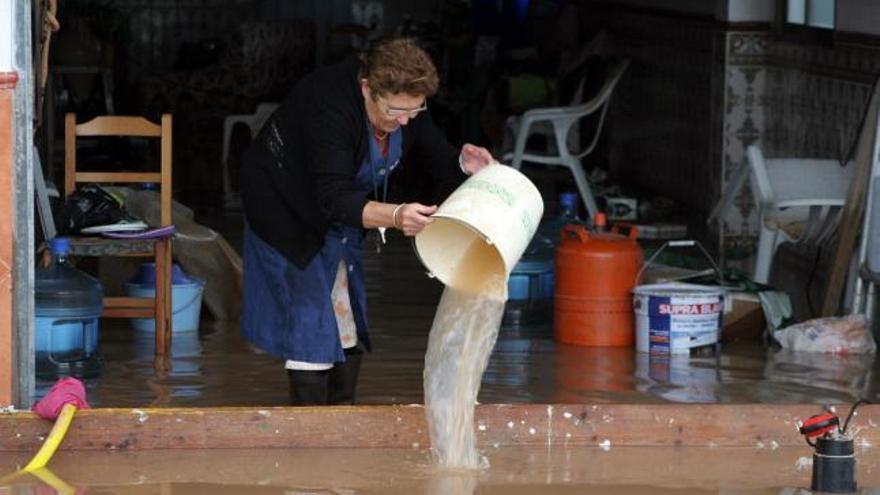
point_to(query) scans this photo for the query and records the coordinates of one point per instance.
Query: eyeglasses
(395, 113)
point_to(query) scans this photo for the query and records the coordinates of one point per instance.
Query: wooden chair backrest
(114, 125)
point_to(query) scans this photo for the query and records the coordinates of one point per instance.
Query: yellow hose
(50, 445)
(54, 439)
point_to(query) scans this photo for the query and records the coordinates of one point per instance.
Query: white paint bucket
(482, 229)
(674, 318)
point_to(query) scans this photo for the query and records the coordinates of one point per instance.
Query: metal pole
(23, 226)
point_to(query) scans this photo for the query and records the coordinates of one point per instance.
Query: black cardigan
(297, 179)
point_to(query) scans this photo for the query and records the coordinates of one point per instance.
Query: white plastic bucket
(482, 229)
(674, 318)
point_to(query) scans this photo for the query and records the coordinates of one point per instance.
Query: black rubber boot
(308, 388)
(344, 377)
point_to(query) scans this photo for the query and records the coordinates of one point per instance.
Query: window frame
(803, 33)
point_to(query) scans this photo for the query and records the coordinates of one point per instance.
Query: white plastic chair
(865, 293)
(869, 253)
(254, 122)
(559, 124)
(799, 200)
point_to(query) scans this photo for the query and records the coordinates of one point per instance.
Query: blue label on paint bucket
(670, 319)
(659, 319)
(658, 325)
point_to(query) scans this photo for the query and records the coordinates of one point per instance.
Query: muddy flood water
(532, 470)
(215, 367)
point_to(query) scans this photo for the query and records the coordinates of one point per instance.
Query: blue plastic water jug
(552, 228)
(531, 282)
(67, 305)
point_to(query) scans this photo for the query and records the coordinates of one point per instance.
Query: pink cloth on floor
(65, 391)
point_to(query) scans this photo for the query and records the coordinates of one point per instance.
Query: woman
(318, 174)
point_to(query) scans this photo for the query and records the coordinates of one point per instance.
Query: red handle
(579, 230)
(633, 231)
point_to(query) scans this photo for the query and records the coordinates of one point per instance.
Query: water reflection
(182, 488)
(215, 367)
(757, 375)
(604, 373)
(678, 377)
(462, 482)
(211, 367)
(521, 470)
(60, 486)
(828, 377)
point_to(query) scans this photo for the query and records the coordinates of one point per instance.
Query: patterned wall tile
(745, 109)
(698, 93)
(803, 100)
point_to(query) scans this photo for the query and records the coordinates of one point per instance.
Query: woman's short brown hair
(398, 65)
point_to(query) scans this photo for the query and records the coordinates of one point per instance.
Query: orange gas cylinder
(595, 276)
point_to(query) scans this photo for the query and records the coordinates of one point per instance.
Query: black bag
(88, 206)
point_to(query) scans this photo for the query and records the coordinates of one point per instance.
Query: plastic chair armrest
(792, 203)
(552, 113)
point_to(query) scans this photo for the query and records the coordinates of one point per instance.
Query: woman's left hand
(473, 158)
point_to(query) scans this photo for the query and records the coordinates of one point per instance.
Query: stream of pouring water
(462, 336)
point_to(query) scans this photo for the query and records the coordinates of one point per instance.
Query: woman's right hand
(413, 217)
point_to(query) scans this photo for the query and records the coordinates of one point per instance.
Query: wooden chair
(159, 307)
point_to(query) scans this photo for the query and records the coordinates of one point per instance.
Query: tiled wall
(744, 121)
(699, 92)
(791, 99)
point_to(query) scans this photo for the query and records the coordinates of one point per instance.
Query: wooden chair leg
(163, 297)
(169, 314)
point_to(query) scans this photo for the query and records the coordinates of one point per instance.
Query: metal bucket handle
(681, 243)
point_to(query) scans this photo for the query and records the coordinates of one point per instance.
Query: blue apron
(288, 311)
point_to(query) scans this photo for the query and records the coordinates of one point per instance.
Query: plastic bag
(88, 206)
(844, 335)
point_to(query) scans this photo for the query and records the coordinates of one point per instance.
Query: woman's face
(390, 111)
